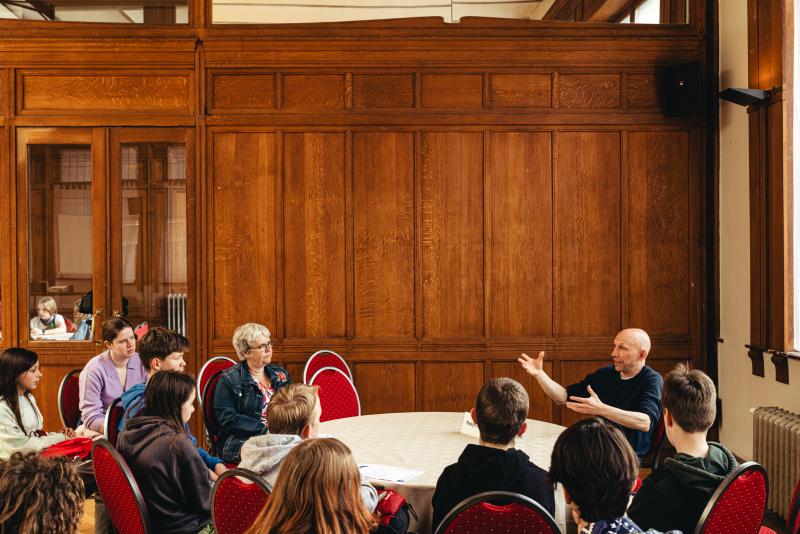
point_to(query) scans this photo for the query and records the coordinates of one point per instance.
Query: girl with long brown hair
(21, 421)
(164, 461)
(317, 492)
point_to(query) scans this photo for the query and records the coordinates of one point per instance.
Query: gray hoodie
(263, 455)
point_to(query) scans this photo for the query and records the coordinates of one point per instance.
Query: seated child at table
(47, 319)
(40, 495)
(495, 465)
(293, 416)
(317, 492)
(162, 349)
(164, 461)
(675, 494)
(596, 467)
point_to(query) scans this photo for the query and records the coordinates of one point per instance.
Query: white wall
(738, 388)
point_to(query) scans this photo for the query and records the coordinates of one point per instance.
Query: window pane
(59, 240)
(648, 12)
(154, 246)
(121, 11)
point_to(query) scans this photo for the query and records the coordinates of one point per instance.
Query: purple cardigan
(99, 386)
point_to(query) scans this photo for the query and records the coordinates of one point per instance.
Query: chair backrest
(238, 496)
(337, 394)
(209, 417)
(121, 494)
(218, 363)
(324, 358)
(738, 504)
(69, 399)
(113, 417)
(518, 514)
(793, 521)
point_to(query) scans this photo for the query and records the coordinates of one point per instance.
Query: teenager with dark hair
(163, 459)
(500, 412)
(21, 421)
(677, 492)
(596, 467)
(39, 495)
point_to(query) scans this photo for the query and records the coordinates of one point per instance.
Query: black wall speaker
(682, 93)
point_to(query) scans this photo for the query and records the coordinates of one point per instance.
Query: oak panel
(665, 366)
(587, 218)
(307, 92)
(3, 94)
(452, 91)
(589, 91)
(452, 234)
(383, 184)
(105, 93)
(314, 235)
(243, 255)
(520, 90)
(541, 407)
(572, 372)
(385, 387)
(643, 90)
(450, 386)
(521, 234)
(243, 92)
(658, 232)
(295, 370)
(379, 91)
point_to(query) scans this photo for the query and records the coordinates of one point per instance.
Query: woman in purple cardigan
(107, 375)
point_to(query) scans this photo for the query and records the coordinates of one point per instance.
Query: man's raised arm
(535, 368)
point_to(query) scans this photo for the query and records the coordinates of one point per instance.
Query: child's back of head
(500, 410)
(291, 409)
(691, 398)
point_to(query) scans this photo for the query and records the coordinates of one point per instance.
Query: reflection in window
(648, 12)
(154, 245)
(59, 240)
(121, 11)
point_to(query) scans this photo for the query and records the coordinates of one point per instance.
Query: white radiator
(176, 312)
(776, 446)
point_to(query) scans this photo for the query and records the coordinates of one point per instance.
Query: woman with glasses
(244, 390)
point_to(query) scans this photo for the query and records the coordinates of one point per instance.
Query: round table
(429, 442)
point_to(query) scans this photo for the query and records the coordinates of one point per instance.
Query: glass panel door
(60, 179)
(151, 173)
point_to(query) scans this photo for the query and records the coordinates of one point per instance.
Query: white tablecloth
(429, 442)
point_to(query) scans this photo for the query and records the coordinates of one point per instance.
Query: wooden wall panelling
(452, 91)
(643, 90)
(587, 218)
(541, 407)
(589, 91)
(520, 90)
(451, 386)
(385, 386)
(243, 220)
(658, 254)
(138, 93)
(238, 92)
(452, 234)
(521, 263)
(314, 235)
(309, 92)
(383, 184)
(3, 95)
(384, 91)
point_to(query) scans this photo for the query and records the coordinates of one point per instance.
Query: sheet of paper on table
(469, 427)
(388, 473)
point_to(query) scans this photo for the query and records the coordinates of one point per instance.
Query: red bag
(389, 502)
(72, 448)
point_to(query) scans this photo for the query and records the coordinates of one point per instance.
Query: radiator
(776, 446)
(176, 312)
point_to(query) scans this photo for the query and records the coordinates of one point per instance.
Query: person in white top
(47, 319)
(21, 421)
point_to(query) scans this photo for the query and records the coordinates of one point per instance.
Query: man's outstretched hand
(591, 405)
(533, 366)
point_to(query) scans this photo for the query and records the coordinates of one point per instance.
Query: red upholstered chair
(69, 399)
(119, 490)
(518, 514)
(218, 363)
(793, 521)
(337, 394)
(324, 358)
(738, 504)
(209, 417)
(237, 498)
(113, 417)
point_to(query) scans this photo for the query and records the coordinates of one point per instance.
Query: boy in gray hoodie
(293, 416)
(675, 494)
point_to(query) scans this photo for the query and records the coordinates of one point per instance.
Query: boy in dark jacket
(495, 465)
(675, 494)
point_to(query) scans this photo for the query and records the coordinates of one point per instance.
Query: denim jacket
(238, 404)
